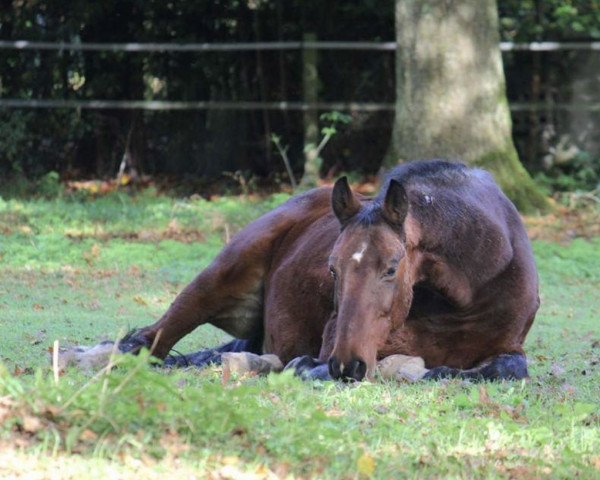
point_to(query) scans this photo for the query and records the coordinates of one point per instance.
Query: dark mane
(369, 214)
(441, 172)
(429, 171)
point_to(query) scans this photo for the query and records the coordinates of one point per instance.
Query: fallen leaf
(138, 299)
(334, 412)
(366, 464)
(483, 395)
(173, 226)
(226, 375)
(31, 424)
(92, 254)
(6, 407)
(88, 435)
(18, 371)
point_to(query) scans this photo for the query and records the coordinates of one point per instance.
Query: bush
(579, 171)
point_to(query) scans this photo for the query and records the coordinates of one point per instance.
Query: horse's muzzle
(356, 369)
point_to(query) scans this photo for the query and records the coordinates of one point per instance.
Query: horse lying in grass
(438, 265)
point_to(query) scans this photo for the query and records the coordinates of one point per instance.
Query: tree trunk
(450, 92)
(310, 81)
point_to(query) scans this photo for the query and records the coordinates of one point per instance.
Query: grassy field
(83, 271)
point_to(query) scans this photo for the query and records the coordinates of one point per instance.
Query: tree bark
(451, 95)
(310, 81)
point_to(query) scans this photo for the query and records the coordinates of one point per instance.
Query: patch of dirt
(172, 232)
(564, 225)
(149, 236)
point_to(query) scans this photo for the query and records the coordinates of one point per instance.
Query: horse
(437, 265)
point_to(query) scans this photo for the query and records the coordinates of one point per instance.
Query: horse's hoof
(133, 342)
(320, 372)
(308, 368)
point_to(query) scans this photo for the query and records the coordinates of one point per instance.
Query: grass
(81, 271)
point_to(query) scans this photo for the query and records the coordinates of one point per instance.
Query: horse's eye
(390, 272)
(333, 272)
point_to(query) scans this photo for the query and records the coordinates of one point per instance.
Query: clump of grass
(322, 429)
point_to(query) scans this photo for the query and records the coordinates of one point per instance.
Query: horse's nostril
(360, 370)
(334, 368)
(355, 369)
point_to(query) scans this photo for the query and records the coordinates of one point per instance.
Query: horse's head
(371, 268)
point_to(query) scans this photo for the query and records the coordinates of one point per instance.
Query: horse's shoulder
(470, 227)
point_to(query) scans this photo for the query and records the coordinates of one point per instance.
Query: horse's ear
(395, 205)
(345, 205)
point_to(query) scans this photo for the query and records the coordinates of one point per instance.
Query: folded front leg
(506, 366)
(309, 368)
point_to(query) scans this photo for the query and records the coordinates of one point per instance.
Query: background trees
(450, 92)
(91, 143)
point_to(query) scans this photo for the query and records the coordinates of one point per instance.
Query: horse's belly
(244, 318)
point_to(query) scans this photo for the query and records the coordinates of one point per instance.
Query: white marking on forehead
(357, 256)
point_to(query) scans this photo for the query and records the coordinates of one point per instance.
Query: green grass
(82, 271)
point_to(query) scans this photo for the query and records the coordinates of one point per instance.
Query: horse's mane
(425, 171)
(436, 172)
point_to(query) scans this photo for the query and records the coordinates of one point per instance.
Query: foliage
(574, 171)
(558, 20)
(205, 143)
(14, 137)
(331, 122)
(92, 143)
(80, 271)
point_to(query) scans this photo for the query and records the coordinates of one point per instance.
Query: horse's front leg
(227, 294)
(309, 368)
(506, 366)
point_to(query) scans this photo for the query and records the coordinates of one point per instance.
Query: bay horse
(436, 265)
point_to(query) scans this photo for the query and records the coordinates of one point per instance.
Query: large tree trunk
(450, 92)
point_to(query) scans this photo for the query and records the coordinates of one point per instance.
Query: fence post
(310, 81)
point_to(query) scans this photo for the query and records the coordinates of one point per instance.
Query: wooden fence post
(310, 81)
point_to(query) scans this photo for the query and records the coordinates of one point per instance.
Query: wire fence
(253, 46)
(159, 105)
(556, 105)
